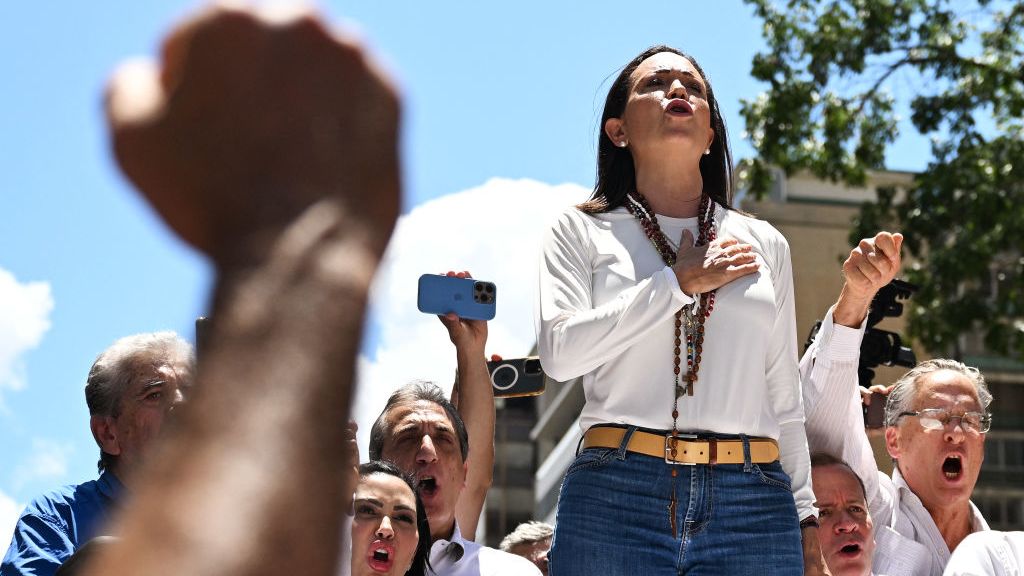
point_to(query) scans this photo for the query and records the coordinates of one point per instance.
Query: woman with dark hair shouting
(390, 534)
(677, 312)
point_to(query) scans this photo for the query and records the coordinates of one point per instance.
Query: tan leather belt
(688, 449)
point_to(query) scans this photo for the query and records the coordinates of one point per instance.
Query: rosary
(693, 315)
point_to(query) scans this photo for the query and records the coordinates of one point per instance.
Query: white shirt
(906, 537)
(988, 553)
(606, 313)
(461, 557)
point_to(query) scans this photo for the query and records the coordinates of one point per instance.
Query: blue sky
(501, 104)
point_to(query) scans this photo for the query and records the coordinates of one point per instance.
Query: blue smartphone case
(467, 297)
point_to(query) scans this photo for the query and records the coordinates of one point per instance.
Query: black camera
(881, 346)
(886, 348)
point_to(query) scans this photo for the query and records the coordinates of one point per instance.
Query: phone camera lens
(504, 377)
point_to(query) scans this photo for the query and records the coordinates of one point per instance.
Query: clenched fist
(251, 117)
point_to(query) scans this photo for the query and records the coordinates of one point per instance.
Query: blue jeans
(613, 518)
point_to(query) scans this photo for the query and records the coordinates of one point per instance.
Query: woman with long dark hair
(390, 535)
(677, 312)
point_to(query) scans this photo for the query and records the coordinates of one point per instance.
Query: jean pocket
(590, 458)
(773, 475)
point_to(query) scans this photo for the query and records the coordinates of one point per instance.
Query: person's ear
(615, 129)
(892, 441)
(465, 472)
(104, 430)
(711, 138)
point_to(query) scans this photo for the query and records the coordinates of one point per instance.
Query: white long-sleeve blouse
(606, 313)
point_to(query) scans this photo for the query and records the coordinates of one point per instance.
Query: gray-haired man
(936, 418)
(132, 387)
(531, 540)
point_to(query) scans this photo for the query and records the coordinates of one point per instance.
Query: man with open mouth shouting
(423, 434)
(846, 535)
(936, 418)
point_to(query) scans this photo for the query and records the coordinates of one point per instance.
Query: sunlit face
(846, 533)
(423, 442)
(384, 534)
(667, 109)
(142, 412)
(536, 552)
(940, 466)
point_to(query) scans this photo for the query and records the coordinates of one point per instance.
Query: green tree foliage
(834, 70)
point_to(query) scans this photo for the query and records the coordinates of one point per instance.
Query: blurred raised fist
(252, 116)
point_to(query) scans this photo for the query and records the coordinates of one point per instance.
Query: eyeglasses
(939, 418)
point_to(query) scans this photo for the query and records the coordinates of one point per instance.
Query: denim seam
(707, 493)
(771, 481)
(599, 461)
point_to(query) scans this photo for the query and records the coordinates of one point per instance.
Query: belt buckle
(668, 448)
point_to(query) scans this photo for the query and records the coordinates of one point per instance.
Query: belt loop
(746, 453)
(579, 443)
(621, 455)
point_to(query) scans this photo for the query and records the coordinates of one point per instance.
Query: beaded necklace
(694, 315)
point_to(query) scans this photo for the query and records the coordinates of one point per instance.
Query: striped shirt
(907, 541)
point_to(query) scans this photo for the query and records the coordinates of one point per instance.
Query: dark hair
(826, 459)
(409, 394)
(616, 174)
(420, 560)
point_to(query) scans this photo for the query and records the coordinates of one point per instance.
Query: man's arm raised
(475, 403)
(269, 143)
(828, 369)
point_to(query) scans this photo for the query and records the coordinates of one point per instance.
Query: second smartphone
(516, 377)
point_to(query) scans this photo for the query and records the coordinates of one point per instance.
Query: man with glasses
(936, 418)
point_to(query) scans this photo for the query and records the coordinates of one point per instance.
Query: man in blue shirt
(132, 387)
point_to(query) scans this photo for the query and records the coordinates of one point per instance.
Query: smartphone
(468, 297)
(874, 413)
(516, 377)
(202, 335)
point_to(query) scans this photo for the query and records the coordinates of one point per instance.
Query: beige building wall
(816, 218)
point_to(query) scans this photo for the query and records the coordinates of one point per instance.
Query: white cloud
(24, 318)
(494, 231)
(48, 462)
(9, 511)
